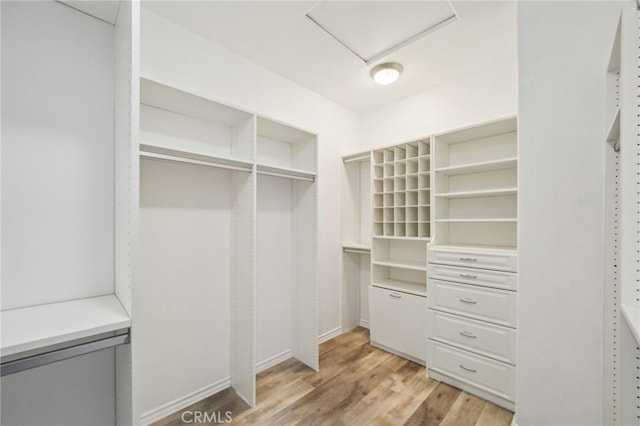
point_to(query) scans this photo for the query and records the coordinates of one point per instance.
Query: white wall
(561, 180)
(476, 98)
(179, 58)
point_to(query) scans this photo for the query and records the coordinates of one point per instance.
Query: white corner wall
(561, 215)
(177, 57)
(476, 98)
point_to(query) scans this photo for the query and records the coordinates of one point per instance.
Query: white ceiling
(278, 36)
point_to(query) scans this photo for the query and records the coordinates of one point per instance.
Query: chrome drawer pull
(395, 295)
(468, 259)
(467, 334)
(467, 369)
(473, 277)
(469, 301)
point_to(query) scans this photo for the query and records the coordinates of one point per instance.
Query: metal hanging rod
(175, 159)
(62, 354)
(356, 159)
(287, 176)
(357, 251)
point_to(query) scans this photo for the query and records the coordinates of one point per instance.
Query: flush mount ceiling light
(387, 73)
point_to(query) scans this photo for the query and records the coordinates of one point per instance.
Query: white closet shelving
(69, 182)
(356, 239)
(622, 291)
(401, 230)
(471, 320)
(230, 199)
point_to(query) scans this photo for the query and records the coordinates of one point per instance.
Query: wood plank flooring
(357, 385)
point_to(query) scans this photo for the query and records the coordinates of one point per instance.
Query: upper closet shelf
(160, 153)
(285, 172)
(631, 315)
(485, 166)
(37, 327)
(356, 246)
(483, 193)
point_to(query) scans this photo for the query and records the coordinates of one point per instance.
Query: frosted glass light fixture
(387, 73)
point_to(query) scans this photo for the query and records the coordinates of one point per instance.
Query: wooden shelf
(485, 166)
(631, 314)
(480, 220)
(403, 264)
(157, 152)
(32, 328)
(403, 287)
(285, 172)
(477, 194)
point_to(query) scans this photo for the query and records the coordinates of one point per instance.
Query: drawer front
(483, 277)
(473, 259)
(492, 376)
(486, 304)
(484, 339)
(397, 320)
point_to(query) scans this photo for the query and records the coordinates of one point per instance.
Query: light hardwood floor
(357, 385)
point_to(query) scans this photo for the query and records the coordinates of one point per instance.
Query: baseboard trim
(330, 334)
(184, 401)
(271, 361)
(364, 323)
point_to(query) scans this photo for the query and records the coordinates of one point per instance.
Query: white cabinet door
(398, 321)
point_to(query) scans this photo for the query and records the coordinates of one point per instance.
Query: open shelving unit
(356, 238)
(69, 179)
(473, 258)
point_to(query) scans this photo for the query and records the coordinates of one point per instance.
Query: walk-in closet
(320, 212)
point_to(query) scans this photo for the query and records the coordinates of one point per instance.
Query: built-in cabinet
(227, 247)
(472, 285)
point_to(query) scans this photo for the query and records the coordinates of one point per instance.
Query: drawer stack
(471, 321)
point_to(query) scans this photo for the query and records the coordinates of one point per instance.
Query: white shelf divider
(32, 328)
(156, 152)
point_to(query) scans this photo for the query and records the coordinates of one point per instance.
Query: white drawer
(486, 304)
(499, 261)
(485, 339)
(483, 277)
(492, 376)
(397, 321)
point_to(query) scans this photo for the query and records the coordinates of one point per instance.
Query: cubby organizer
(401, 191)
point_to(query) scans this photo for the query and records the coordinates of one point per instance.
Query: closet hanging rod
(172, 158)
(356, 159)
(62, 354)
(283, 175)
(357, 251)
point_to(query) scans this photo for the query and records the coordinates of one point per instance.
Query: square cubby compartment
(400, 168)
(424, 230)
(378, 157)
(378, 215)
(388, 185)
(399, 153)
(388, 229)
(399, 215)
(423, 165)
(378, 186)
(388, 200)
(412, 230)
(423, 148)
(424, 214)
(411, 182)
(400, 199)
(400, 184)
(411, 198)
(389, 215)
(423, 197)
(412, 214)
(378, 229)
(412, 166)
(412, 150)
(388, 170)
(388, 155)
(378, 172)
(378, 200)
(424, 180)
(400, 231)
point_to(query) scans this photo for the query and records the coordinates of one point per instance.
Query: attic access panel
(374, 29)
